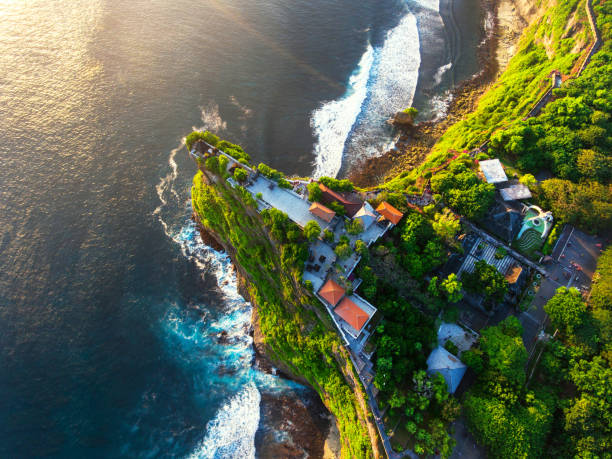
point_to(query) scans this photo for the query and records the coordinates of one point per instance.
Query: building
(388, 212)
(515, 192)
(331, 292)
(450, 367)
(324, 213)
(366, 215)
(493, 171)
(355, 312)
(351, 205)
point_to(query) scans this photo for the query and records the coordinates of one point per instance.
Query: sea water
(111, 308)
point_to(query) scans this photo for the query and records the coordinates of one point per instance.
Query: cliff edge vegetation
(569, 141)
(296, 333)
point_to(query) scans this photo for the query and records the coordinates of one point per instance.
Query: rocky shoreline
(291, 425)
(416, 141)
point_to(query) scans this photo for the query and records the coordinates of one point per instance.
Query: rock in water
(403, 119)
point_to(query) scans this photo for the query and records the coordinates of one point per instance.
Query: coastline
(306, 427)
(415, 142)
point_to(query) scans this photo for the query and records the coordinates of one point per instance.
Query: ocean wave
(231, 433)
(433, 5)
(332, 122)
(440, 72)
(391, 88)
(354, 127)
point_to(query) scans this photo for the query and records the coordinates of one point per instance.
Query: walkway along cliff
(292, 329)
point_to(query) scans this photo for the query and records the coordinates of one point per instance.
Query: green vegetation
(206, 136)
(486, 280)
(509, 420)
(544, 46)
(422, 248)
(240, 175)
(235, 151)
(411, 111)
(328, 236)
(353, 227)
(337, 185)
(446, 225)
(343, 249)
(421, 404)
(271, 251)
(568, 414)
(587, 204)
(462, 190)
(312, 230)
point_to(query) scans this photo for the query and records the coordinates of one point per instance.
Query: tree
(528, 180)
(240, 175)
(588, 419)
(433, 288)
(587, 204)
(354, 227)
(451, 286)
(314, 192)
(328, 235)
(446, 225)
(312, 230)
(506, 354)
(595, 165)
(566, 310)
(486, 279)
(343, 250)
(362, 250)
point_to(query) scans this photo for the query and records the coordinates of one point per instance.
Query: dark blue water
(110, 306)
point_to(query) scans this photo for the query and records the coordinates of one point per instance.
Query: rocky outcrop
(402, 119)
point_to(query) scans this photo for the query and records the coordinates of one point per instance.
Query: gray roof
(518, 191)
(450, 367)
(493, 171)
(366, 214)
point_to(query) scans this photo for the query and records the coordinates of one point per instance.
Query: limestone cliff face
(292, 331)
(512, 17)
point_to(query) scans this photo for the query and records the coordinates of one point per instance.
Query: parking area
(576, 253)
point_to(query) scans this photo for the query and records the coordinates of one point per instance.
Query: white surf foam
(332, 122)
(391, 88)
(384, 82)
(433, 5)
(231, 433)
(441, 71)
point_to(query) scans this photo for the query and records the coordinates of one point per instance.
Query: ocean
(121, 333)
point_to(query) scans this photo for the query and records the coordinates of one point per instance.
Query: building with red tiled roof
(332, 292)
(389, 212)
(324, 213)
(352, 314)
(351, 205)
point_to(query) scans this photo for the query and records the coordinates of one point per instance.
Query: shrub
(328, 236)
(206, 136)
(343, 250)
(354, 227)
(240, 174)
(451, 347)
(312, 230)
(337, 185)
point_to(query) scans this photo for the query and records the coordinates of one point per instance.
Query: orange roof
(513, 274)
(332, 292)
(389, 212)
(351, 205)
(351, 313)
(324, 213)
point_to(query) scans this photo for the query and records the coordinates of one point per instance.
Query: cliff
(291, 329)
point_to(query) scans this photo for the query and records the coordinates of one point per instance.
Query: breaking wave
(231, 433)
(332, 122)
(384, 82)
